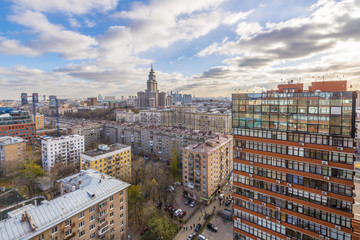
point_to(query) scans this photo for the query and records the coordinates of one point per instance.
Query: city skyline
(207, 48)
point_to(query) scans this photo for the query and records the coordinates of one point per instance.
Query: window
(121, 208)
(54, 230)
(111, 198)
(111, 214)
(69, 232)
(111, 206)
(92, 236)
(81, 224)
(91, 218)
(121, 193)
(81, 215)
(92, 226)
(68, 222)
(82, 233)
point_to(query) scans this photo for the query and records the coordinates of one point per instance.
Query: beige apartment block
(92, 206)
(12, 153)
(207, 167)
(113, 160)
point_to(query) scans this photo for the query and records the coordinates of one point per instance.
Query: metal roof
(51, 213)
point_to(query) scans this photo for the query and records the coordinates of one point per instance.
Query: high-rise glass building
(294, 163)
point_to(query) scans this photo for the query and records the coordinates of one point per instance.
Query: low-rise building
(207, 166)
(64, 149)
(92, 206)
(39, 121)
(113, 160)
(12, 153)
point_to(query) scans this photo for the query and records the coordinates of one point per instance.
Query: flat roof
(51, 213)
(112, 148)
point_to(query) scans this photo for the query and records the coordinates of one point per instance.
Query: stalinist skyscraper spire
(152, 97)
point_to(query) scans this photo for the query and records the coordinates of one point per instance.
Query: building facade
(113, 160)
(64, 149)
(151, 97)
(12, 153)
(92, 132)
(294, 163)
(92, 206)
(17, 124)
(129, 117)
(207, 167)
(153, 141)
(39, 121)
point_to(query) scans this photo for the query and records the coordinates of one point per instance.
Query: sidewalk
(183, 234)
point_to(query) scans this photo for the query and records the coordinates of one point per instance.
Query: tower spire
(152, 67)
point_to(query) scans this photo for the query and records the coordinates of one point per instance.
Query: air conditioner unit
(240, 149)
(321, 237)
(289, 184)
(324, 162)
(340, 148)
(264, 204)
(267, 218)
(324, 193)
(337, 227)
(250, 175)
(301, 143)
(251, 200)
(251, 163)
(278, 221)
(277, 208)
(278, 181)
(327, 238)
(327, 178)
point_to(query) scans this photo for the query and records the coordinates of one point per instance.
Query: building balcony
(103, 230)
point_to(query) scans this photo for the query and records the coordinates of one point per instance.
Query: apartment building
(207, 167)
(39, 121)
(92, 206)
(92, 132)
(188, 117)
(17, 124)
(64, 149)
(113, 160)
(12, 153)
(129, 117)
(153, 141)
(294, 163)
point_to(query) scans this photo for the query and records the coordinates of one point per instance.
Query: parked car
(207, 216)
(202, 237)
(212, 227)
(227, 203)
(177, 183)
(221, 196)
(192, 204)
(198, 226)
(182, 214)
(144, 230)
(171, 188)
(187, 201)
(191, 236)
(177, 212)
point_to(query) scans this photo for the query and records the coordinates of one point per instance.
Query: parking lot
(225, 229)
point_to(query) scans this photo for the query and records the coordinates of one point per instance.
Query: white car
(177, 212)
(171, 188)
(202, 237)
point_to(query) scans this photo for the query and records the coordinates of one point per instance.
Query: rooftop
(10, 140)
(49, 138)
(95, 188)
(103, 150)
(210, 145)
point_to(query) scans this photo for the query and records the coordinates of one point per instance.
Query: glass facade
(293, 165)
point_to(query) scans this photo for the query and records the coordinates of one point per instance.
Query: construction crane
(57, 117)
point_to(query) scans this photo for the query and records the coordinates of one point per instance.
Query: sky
(84, 48)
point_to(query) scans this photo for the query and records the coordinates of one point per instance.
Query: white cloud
(74, 23)
(14, 47)
(67, 6)
(245, 29)
(55, 38)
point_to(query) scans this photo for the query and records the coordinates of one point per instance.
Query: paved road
(217, 220)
